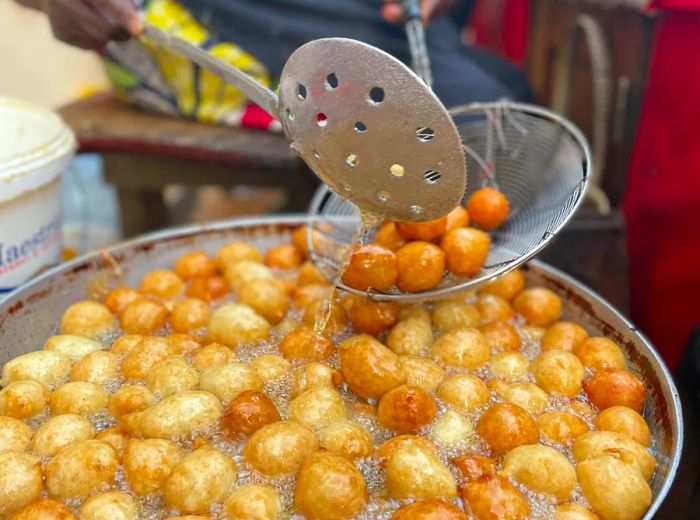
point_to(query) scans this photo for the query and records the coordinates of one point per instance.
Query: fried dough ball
(561, 427)
(462, 348)
(143, 317)
(475, 466)
(303, 297)
(466, 250)
(526, 395)
(247, 413)
(426, 231)
(449, 315)
(563, 335)
(184, 343)
(44, 509)
(23, 399)
(194, 264)
(533, 332)
(507, 286)
(414, 471)
(501, 336)
(14, 435)
(347, 439)
(509, 366)
(542, 469)
(458, 217)
(43, 366)
(406, 408)
(415, 310)
(315, 315)
(74, 347)
(505, 426)
(300, 239)
(124, 344)
(539, 306)
(593, 444)
(493, 308)
(451, 429)
(253, 502)
(213, 354)
(573, 511)
(388, 237)
(171, 376)
(162, 283)
(96, 367)
(118, 298)
(60, 431)
(111, 505)
(598, 353)
(189, 314)
(115, 437)
(614, 387)
(20, 481)
(280, 447)
(269, 298)
(329, 487)
(144, 356)
(309, 274)
(558, 371)
(80, 468)
(410, 336)
(201, 478)
(179, 415)
(371, 317)
(271, 366)
(463, 392)
(626, 421)
(86, 318)
(237, 324)
(422, 372)
(207, 288)
(318, 407)
(240, 273)
(371, 266)
(148, 463)
(389, 447)
(314, 375)
(615, 490)
(488, 207)
(495, 498)
(370, 369)
(79, 398)
(421, 266)
(130, 398)
(229, 380)
(236, 252)
(431, 509)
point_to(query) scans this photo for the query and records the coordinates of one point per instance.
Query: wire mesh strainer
(538, 159)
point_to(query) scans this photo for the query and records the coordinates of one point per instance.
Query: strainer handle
(257, 92)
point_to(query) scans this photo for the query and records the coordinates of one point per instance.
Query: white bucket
(36, 147)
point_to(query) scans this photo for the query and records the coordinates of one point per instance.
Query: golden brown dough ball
(558, 371)
(130, 398)
(315, 315)
(542, 469)
(240, 273)
(413, 471)
(597, 353)
(75, 347)
(247, 413)
(143, 357)
(237, 324)
(314, 375)
(432, 509)
(573, 511)
(201, 478)
(213, 354)
(505, 426)
(81, 468)
(421, 266)
(20, 481)
(475, 466)
(615, 490)
(538, 305)
(111, 505)
(561, 427)
(507, 286)
(614, 387)
(44, 509)
(461, 348)
(452, 430)
(14, 435)
(280, 447)
(23, 399)
(229, 380)
(493, 308)
(284, 256)
(86, 318)
(170, 376)
(458, 217)
(179, 415)
(304, 344)
(115, 437)
(118, 298)
(148, 463)
(509, 366)
(236, 252)
(488, 207)
(347, 439)
(317, 407)
(463, 392)
(194, 264)
(563, 335)
(371, 266)
(371, 317)
(96, 367)
(162, 283)
(415, 310)
(626, 421)
(488, 494)
(422, 372)
(43, 366)
(410, 336)
(526, 395)
(466, 250)
(426, 231)
(60, 431)
(309, 274)
(501, 336)
(388, 237)
(269, 298)
(124, 344)
(389, 447)
(370, 369)
(253, 502)
(449, 315)
(189, 314)
(79, 398)
(184, 343)
(405, 409)
(143, 317)
(207, 288)
(329, 487)
(303, 297)
(271, 366)
(593, 444)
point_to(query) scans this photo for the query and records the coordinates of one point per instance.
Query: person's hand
(90, 24)
(393, 12)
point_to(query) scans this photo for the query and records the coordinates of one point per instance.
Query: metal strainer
(539, 160)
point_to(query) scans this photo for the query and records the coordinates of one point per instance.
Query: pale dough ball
(237, 324)
(144, 355)
(410, 336)
(597, 443)
(415, 310)
(573, 512)
(451, 430)
(461, 348)
(96, 367)
(60, 431)
(463, 392)
(558, 371)
(509, 366)
(253, 502)
(23, 399)
(87, 318)
(115, 437)
(20, 481)
(271, 366)
(111, 505)
(129, 399)
(73, 347)
(236, 252)
(14, 435)
(80, 468)
(229, 380)
(561, 427)
(347, 439)
(318, 407)
(414, 471)
(269, 298)
(43, 366)
(213, 354)
(526, 395)
(280, 447)
(422, 372)
(313, 375)
(450, 314)
(148, 463)
(181, 414)
(240, 273)
(542, 469)
(78, 398)
(171, 376)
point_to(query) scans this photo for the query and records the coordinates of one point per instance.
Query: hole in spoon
(332, 81)
(301, 91)
(382, 196)
(416, 210)
(352, 160)
(321, 119)
(397, 170)
(360, 127)
(425, 134)
(432, 176)
(376, 94)
(316, 155)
